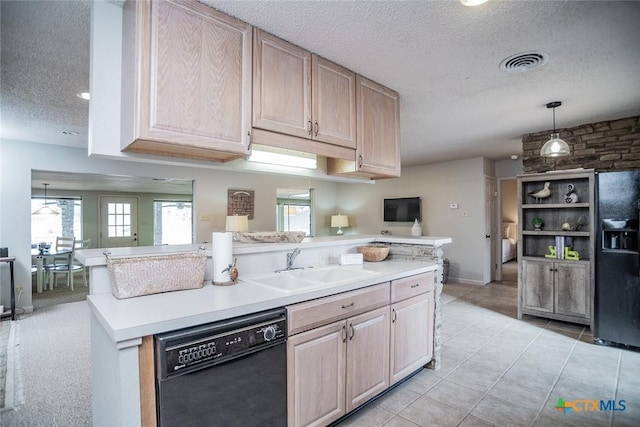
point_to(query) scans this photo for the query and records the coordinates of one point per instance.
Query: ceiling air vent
(523, 62)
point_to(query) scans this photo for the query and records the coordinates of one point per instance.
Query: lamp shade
(237, 223)
(555, 147)
(339, 221)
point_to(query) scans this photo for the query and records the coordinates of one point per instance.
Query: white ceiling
(443, 58)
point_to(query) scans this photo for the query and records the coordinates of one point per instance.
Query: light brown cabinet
(297, 94)
(378, 134)
(186, 81)
(559, 286)
(412, 314)
(335, 368)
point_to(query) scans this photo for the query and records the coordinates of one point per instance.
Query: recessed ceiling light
(473, 2)
(83, 95)
(70, 132)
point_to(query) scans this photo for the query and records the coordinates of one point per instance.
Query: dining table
(39, 258)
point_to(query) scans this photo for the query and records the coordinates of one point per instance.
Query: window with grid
(119, 219)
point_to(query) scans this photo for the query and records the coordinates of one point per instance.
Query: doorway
(508, 271)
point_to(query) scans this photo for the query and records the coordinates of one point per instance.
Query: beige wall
(438, 185)
(509, 200)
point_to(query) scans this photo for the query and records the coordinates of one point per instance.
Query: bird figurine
(541, 194)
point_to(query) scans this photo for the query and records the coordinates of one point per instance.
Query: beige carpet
(54, 345)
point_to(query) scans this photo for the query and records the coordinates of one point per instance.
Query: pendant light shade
(45, 209)
(555, 147)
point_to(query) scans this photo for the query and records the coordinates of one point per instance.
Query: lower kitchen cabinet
(556, 289)
(333, 369)
(411, 335)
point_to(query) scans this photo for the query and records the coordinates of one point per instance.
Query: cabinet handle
(348, 305)
(393, 316)
(315, 133)
(344, 333)
(353, 331)
(360, 160)
(309, 127)
(415, 286)
(249, 141)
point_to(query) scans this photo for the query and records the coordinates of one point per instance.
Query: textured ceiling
(443, 59)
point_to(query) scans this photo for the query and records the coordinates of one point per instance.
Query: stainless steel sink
(309, 278)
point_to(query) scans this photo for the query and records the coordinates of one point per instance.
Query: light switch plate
(453, 206)
(351, 259)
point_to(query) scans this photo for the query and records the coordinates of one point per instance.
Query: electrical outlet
(465, 213)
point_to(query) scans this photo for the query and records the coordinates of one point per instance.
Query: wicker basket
(374, 253)
(145, 275)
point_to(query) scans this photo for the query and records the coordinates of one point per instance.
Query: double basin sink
(310, 278)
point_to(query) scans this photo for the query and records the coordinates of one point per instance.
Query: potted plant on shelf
(537, 224)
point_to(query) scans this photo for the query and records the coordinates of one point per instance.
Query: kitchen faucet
(291, 257)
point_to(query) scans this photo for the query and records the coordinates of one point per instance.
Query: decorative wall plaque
(240, 202)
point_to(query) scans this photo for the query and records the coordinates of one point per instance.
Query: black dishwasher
(228, 373)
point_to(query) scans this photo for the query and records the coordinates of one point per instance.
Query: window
(294, 210)
(119, 219)
(45, 228)
(172, 222)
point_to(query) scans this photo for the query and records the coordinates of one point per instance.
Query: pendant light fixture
(45, 209)
(555, 147)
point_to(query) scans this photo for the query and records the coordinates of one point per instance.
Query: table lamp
(339, 221)
(237, 223)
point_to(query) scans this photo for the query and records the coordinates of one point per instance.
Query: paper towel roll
(222, 246)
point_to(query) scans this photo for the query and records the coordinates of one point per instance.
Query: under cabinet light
(283, 157)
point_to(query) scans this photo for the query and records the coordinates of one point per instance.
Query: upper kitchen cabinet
(300, 95)
(378, 134)
(186, 81)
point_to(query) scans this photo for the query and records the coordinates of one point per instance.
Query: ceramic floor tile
(398, 421)
(585, 413)
(471, 421)
(531, 396)
(547, 421)
(630, 417)
(371, 416)
(504, 413)
(472, 377)
(428, 412)
(455, 395)
(422, 382)
(397, 399)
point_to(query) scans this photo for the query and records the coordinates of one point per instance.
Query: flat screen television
(406, 209)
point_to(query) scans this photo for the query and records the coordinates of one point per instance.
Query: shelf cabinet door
(186, 81)
(334, 103)
(281, 86)
(411, 335)
(316, 375)
(572, 291)
(537, 283)
(367, 356)
(378, 129)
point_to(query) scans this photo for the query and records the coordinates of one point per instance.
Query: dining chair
(77, 265)
(62, 264)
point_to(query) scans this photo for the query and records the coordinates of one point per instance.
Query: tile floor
(497, 370)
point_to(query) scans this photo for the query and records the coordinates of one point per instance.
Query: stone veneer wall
(408, 252)
(610, 145)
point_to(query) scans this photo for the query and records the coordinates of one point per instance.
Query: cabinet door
(378, 128)
(281, 86)
(411, 335)
(192, 80)
(367, 356)
(315, 375)
(334, 103)
(572, 293)
(537, 285)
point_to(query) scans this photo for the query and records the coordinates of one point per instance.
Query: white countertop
(147, 315)
(94, 257)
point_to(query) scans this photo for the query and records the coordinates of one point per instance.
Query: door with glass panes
(118, 221)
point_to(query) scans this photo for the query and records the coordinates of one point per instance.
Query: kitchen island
(119, 327)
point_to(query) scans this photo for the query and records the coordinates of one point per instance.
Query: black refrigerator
(617, 285)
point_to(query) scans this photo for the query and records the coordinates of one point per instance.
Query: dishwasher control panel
(189, 349)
